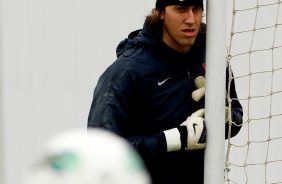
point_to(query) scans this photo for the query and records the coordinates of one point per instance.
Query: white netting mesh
(254, 156)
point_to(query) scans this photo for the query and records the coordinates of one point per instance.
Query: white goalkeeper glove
(191, 135)
(196, 130)
(199, 82)
(199, 93)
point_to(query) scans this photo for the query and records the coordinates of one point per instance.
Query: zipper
(189, 75)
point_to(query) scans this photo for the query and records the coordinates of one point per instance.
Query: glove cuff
(176, 138)
(173, 141)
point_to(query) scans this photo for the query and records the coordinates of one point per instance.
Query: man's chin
(189, 42)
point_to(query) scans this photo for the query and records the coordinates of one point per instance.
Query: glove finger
(200, 81)
(199, 113)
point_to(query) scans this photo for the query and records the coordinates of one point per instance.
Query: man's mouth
(189, 32)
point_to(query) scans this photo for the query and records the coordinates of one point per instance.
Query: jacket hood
(137, 37)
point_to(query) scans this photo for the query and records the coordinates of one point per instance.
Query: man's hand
(200, 91)
(195, 125)
(190, 135)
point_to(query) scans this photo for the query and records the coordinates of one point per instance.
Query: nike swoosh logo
(163, 81)
(194, 126)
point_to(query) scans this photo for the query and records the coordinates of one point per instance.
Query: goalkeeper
(145, 95)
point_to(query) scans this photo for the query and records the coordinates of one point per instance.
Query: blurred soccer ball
(92, 157)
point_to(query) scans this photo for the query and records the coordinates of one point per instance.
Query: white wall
(52, 53)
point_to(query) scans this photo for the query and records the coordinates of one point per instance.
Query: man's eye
(197, 8)
(181, 8)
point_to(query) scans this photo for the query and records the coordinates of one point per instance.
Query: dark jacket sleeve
(236, 108)
(110, 108)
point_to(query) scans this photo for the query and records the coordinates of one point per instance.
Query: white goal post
(215, 91)
(254, 53)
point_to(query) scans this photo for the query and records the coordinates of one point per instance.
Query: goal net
(254, 54)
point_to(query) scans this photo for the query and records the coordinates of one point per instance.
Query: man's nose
(189, 16)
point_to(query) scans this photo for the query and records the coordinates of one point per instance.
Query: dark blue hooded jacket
(148, 90)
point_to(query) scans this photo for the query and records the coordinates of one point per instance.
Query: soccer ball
(94, 156)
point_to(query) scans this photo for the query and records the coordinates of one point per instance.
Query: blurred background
(51, 55)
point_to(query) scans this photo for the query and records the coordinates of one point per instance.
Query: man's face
(181, 26)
